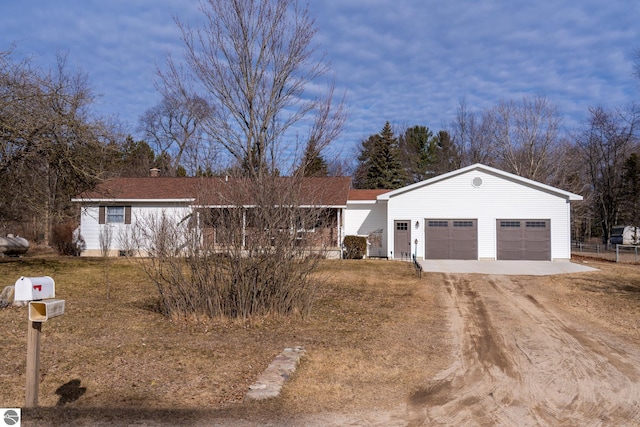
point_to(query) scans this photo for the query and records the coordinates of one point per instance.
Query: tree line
(228, 107)
(52, 147)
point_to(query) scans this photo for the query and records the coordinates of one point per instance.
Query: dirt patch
(524, 360)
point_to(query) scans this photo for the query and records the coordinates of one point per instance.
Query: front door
(401, 240)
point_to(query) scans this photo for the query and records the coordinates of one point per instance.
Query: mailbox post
(40, 292)
(33, 364)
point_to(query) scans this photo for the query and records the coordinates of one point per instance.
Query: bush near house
(64, 240)
(355, 247)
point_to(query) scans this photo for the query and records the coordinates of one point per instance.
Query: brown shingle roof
(157, 188)
(324, 191)
(365, 194)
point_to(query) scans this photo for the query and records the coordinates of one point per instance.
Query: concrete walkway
(526, 268)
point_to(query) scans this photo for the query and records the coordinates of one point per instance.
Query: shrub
(65, 239)
(355, 247)
(240, 262)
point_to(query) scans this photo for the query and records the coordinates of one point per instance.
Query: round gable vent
(477, 181)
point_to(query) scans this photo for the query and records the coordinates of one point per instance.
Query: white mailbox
(41, 311)
(34, 288)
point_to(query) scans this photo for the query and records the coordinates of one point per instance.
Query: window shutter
(127, 214)
(101, 215)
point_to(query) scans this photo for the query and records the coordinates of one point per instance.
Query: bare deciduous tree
(519, 137)
(605, 144)
(106, 239)
(327, 125)
(525, 136)
(174, 127)
(254, 62)
(51, 148)
(471, 136)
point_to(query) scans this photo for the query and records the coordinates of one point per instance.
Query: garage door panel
(437, 238)
(466, 249)
(464, 239)
(451, 239)
(541, 255)
(510, 242)
(523, 239)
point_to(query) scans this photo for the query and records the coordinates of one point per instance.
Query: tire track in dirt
(519, 363)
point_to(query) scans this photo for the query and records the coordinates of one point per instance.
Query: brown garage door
(451, 239)
(520, 239)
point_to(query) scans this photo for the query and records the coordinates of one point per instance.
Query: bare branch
(254, 60)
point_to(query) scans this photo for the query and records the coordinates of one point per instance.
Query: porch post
(244, 228)
(339, 233)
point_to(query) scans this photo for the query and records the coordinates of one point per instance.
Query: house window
(305, 225)
(402, 226)
(115, 214)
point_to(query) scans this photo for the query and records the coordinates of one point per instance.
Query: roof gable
(487, 169)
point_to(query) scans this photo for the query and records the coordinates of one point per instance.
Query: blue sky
(407, 62)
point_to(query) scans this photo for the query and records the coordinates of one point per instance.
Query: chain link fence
(628, 254)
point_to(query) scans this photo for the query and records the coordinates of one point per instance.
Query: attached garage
(478, 213)
(451, 239)
(520, 239)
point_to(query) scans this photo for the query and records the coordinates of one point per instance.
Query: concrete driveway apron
(524, 268)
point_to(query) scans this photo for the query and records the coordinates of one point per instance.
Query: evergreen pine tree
(379, 165)
(418, 152)
(447, 156)
(425, 155)
(313, 164)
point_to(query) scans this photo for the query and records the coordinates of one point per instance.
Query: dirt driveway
(522, 360)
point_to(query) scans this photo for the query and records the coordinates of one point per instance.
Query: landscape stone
(270, 382)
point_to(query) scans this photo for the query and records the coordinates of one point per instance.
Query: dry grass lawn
(376, 333)
(610, 298)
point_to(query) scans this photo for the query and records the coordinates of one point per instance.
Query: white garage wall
(497, 198)
(364, 217)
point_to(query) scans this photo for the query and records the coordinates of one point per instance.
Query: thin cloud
(405, 61)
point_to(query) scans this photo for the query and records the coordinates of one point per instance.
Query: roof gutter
(254, 206)
(133, 200)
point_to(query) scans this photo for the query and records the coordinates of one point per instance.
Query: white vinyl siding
(496, 198)
(363, 218)
(90, 226)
